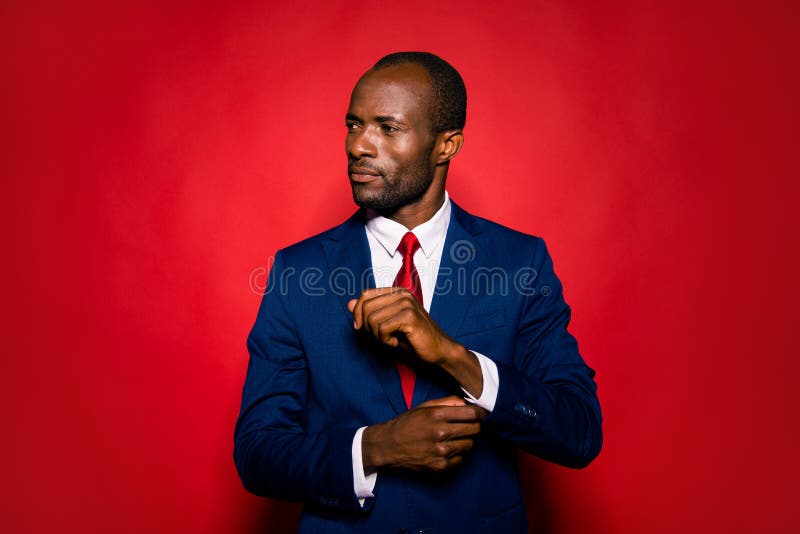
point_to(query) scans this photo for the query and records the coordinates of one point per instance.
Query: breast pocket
(476, 322)
(487, 332)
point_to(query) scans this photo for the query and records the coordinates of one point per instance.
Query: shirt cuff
(491, 383)
(363, 484)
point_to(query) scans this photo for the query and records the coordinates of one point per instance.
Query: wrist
(465, 368)
(371, 450)
(455, 357)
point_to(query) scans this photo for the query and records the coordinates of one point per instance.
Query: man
(399, 359)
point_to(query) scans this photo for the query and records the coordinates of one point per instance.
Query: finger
(402, 321)
(376, 302)
(357, 310)
(455, 431)
(377, 314)
(452, 400)
(375, 291)
(351, 304)
(358, 307)
(446, 462)
(366, 296)
(453, 461)
(457, 447)
(455, 414)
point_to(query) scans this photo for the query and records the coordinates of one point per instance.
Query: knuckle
(374, 319)
(440, 464)
(442, 449)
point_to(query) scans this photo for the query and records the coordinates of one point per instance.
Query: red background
(153, 156)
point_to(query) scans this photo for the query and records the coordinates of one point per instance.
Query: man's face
(389, 137)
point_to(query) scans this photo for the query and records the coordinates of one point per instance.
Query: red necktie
(408, 277)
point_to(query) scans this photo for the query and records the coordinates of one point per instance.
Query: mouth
(362, 175)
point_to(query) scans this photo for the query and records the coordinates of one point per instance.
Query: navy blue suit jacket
(312, 381)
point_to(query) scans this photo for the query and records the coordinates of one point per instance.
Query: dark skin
(398, 167)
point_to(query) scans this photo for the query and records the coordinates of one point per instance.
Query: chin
(386, 197)
(369, 199)
(371, 203)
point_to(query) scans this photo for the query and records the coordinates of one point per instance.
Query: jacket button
(525, 410)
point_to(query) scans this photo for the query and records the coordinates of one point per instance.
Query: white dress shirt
(384, 236)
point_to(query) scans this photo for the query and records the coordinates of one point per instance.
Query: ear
(448, 143)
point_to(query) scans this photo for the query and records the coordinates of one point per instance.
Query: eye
(389, 129)
(351, 126)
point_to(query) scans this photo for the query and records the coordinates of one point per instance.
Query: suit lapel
(349, 261)
(350, 271)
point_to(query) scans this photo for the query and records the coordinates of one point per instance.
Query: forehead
(400, 90)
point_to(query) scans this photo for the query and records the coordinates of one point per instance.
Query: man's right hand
(430, 437)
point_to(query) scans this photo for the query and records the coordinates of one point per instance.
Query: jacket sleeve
(274, 453)
(547, 401)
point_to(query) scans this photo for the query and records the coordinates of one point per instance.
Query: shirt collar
(429, 234)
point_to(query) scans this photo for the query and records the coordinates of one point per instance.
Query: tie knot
(408, 245)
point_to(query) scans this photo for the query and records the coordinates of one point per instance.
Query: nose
(360, 145)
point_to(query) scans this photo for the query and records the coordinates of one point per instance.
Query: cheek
(406, 156)
(409, 156)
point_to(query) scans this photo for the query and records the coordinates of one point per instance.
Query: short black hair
(449, 93)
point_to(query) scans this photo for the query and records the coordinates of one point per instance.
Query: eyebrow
(379, 118)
